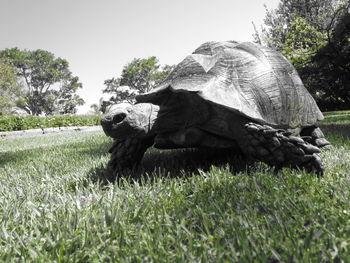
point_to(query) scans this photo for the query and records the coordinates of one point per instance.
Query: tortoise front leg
(279, 148)
(127, 154)
(131, 128)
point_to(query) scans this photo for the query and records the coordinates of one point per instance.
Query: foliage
(98, 108)
(302, 42)
(331, 67)
(138, 76)
(17, 123)
(52, 210)
(10, 91)
(319, 15)
(307, 32)
(50, 86)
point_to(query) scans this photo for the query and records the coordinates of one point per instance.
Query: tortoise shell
(244, 78)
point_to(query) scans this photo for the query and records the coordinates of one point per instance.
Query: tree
(302, 42)
(98, 108)
(319, 15)
(49, 85)
(331, 67)
(10, 91)
(138, 76)
(300, 29)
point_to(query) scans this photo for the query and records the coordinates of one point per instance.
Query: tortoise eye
(119, 117)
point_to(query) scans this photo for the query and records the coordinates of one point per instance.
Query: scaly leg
(127, 154)
(279, 148)
(315, 136)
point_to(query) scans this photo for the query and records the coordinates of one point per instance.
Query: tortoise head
(124, 120)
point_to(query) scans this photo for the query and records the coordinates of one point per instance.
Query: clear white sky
(98, 37)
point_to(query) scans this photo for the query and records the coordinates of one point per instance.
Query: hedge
(17, 123)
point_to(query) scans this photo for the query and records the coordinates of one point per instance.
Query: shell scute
(245, 78)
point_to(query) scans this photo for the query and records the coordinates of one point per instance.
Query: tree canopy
(305, 31)
(11, 93)
(49, 87)
(138, 76)
(331, 67)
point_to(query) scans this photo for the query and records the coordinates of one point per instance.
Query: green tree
(49, 85)
(317, 16)
(302, 42)
(98, 108)
(301, 29)
(331, 68)
(10, 91)
(138, 76)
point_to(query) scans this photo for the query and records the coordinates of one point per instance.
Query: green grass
(338, 122)
(53, 208)
(336, 117)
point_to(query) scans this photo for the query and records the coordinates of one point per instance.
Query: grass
(336, 117)
(53, 208)
(336, 124)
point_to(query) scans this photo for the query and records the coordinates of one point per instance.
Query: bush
(17, 123)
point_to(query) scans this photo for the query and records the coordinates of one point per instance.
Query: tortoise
(225, 95)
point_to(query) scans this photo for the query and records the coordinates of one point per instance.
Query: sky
(99, 37)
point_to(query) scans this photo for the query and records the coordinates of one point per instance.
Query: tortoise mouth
(119, 130)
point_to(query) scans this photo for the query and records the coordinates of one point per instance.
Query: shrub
(17, 123)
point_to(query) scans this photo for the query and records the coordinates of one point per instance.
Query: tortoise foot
(127, 154)
(315, 136)
(279, 148)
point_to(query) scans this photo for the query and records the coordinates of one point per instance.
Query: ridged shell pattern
(245, 78)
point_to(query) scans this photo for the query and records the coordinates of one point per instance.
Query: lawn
(54, 206)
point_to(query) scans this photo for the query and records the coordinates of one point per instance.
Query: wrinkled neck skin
(126, 120)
